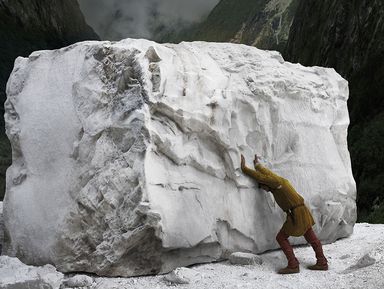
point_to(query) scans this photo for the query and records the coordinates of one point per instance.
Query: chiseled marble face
(126, 154)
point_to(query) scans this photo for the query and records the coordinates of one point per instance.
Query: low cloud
(118, 19)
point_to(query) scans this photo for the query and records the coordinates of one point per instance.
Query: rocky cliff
(1, 227)
(349, 36)
(29, 25)
(261, 23)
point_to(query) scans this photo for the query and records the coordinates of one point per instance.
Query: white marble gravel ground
(367, 239)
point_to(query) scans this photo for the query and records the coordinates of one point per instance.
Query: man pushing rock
(299, 220)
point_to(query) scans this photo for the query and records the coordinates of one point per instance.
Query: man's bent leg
(311, 238)
(293, 263)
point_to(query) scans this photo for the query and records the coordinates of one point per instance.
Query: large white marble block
(126, 155)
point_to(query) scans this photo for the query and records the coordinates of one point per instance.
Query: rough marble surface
(126, 155)
(16, 275)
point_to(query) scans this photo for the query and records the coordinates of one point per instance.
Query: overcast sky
(117, 19)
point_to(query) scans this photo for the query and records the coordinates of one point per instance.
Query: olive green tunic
(299, 218)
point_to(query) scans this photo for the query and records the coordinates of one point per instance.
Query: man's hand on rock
(255, 160)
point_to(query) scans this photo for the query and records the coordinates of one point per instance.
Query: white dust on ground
(367, 239)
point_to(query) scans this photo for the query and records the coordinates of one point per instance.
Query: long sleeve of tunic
(299, 218)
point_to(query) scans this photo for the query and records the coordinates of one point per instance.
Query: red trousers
(311, 238)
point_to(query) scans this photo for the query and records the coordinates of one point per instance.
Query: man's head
(264, 187)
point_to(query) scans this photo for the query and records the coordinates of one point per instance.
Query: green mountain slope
(227, 18)
(261, 23)
(348, 35)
